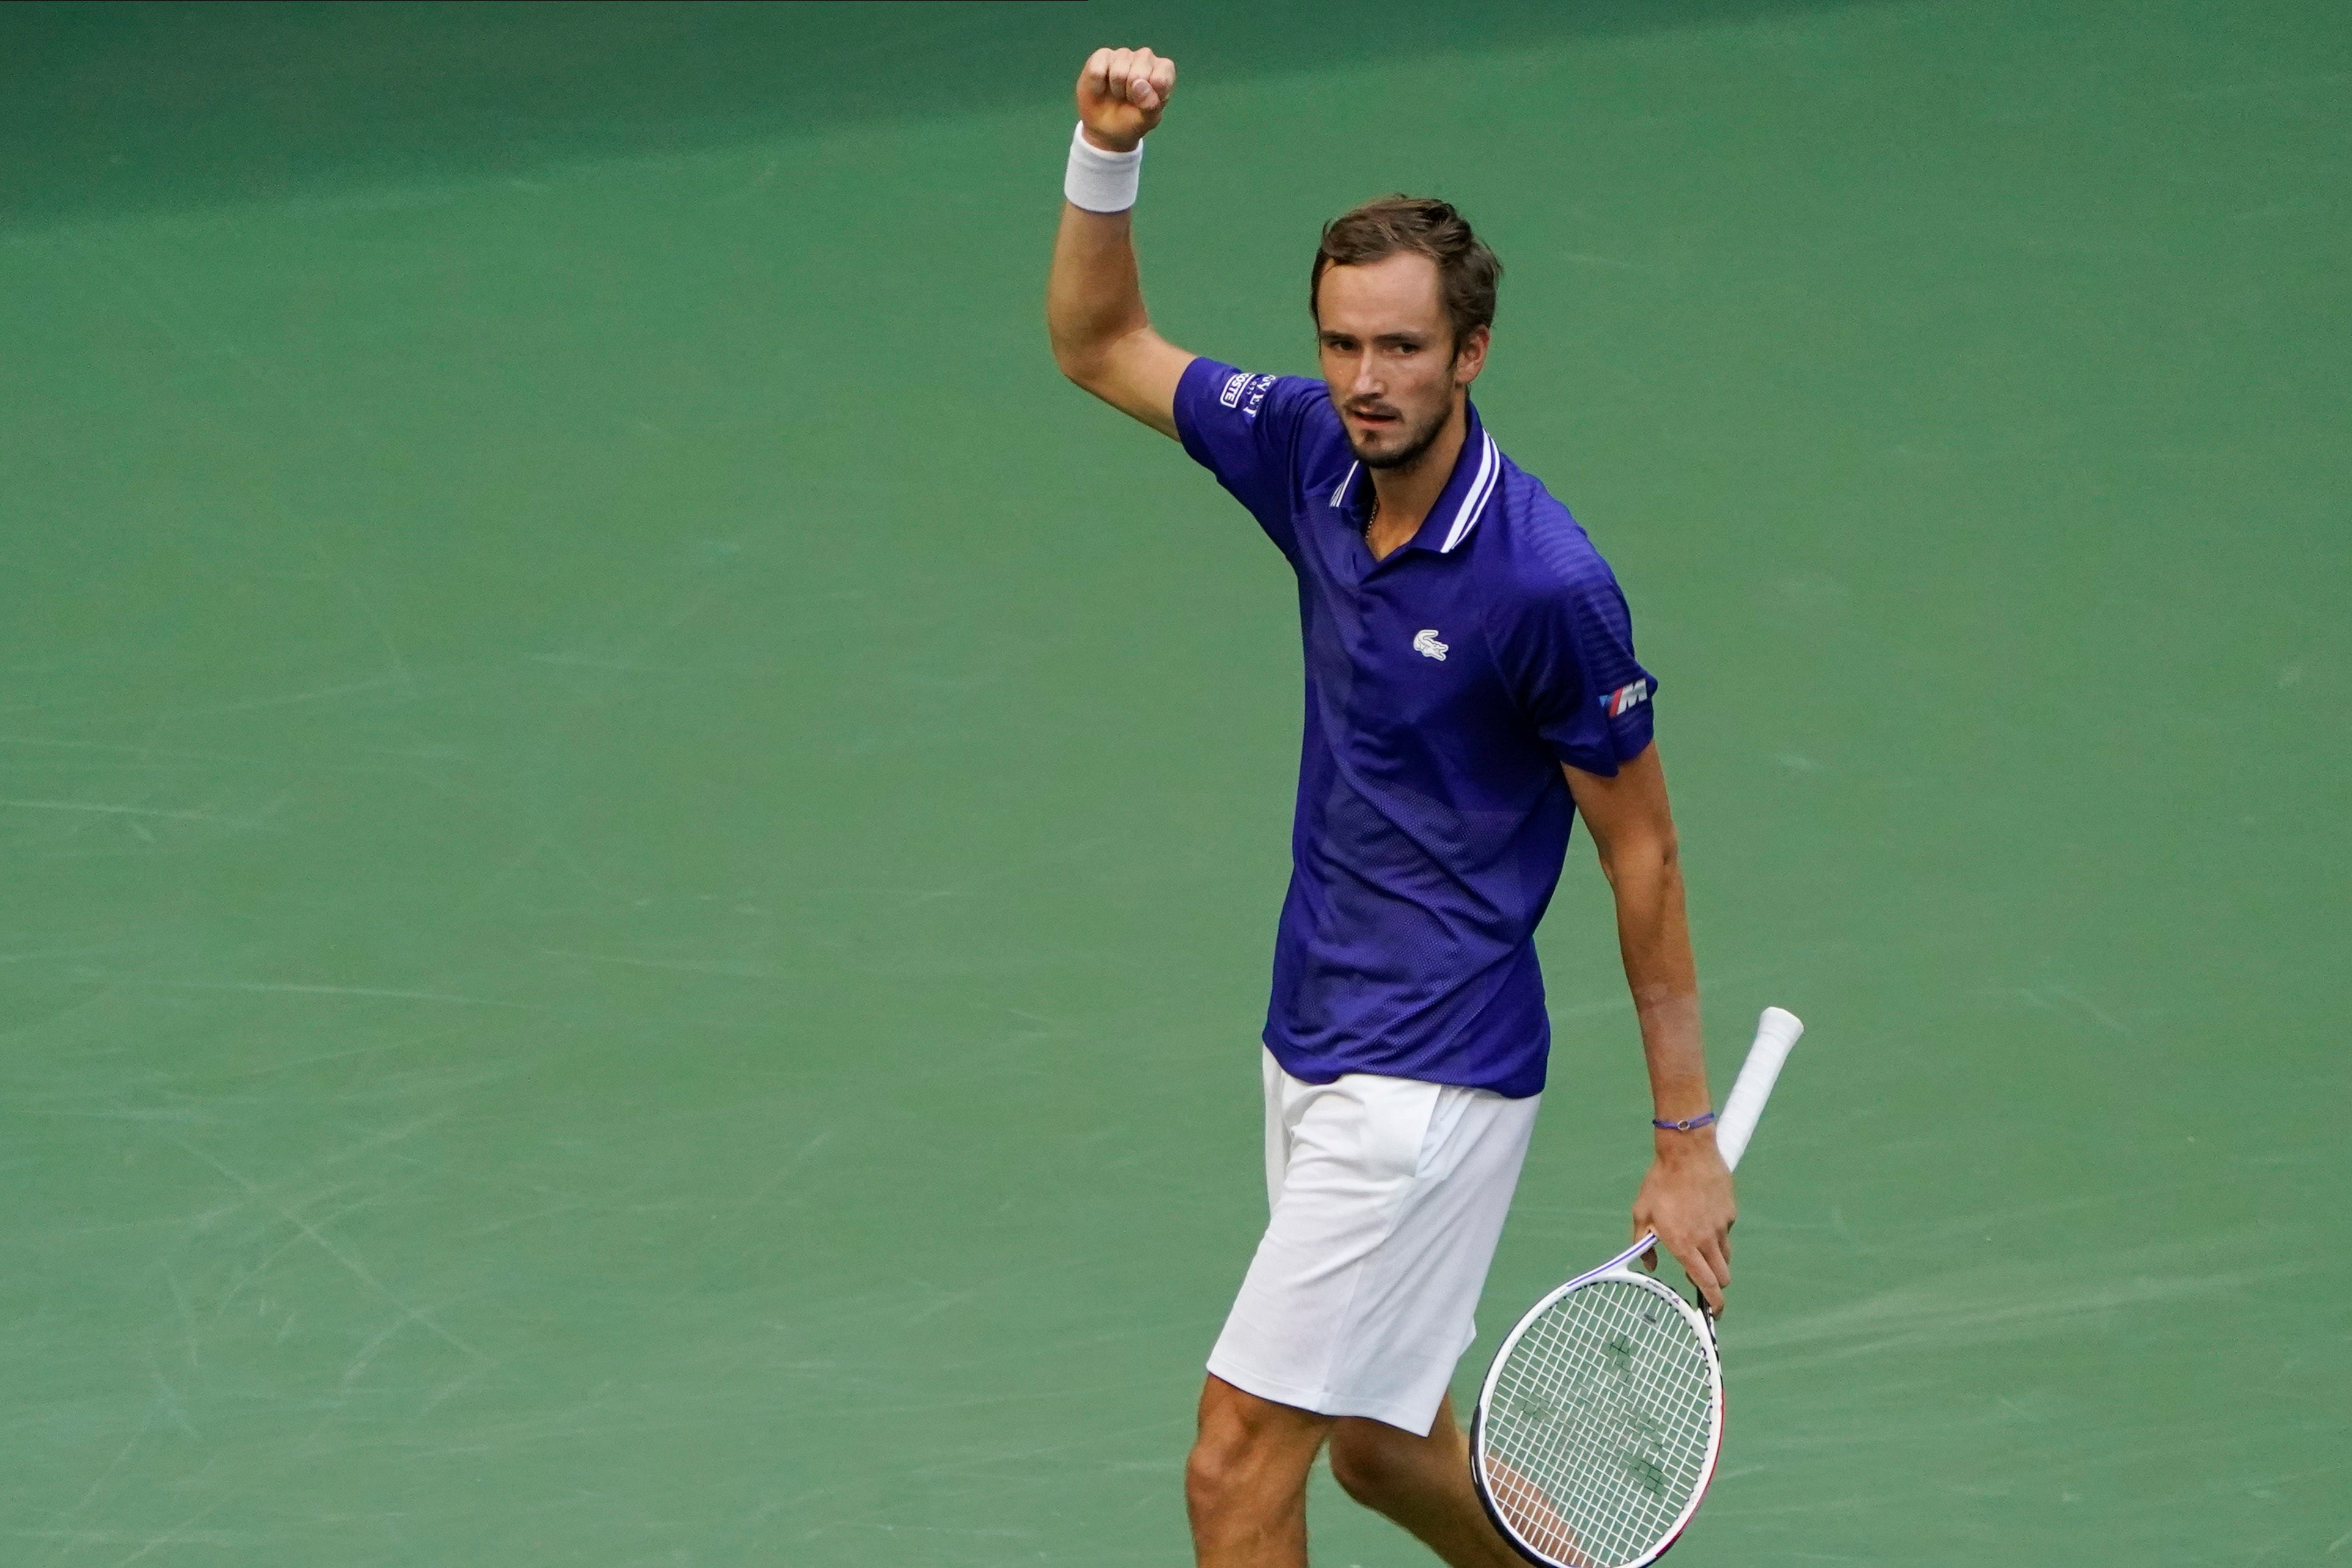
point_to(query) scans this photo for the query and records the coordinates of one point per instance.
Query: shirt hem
(1517, 1085)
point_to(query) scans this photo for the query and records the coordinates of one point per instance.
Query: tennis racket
(1598, 1426)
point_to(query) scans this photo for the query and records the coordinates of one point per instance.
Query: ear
(1471, 357)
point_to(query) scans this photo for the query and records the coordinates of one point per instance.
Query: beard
(1413, 445)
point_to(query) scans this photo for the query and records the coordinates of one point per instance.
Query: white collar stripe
(1474, 504)
(1341, 494)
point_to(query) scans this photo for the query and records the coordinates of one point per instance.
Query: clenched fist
(1122, 93)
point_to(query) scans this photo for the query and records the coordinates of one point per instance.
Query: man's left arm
(1687, 1197)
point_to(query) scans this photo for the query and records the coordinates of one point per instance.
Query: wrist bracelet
(1100, 182)
(1690, 1126)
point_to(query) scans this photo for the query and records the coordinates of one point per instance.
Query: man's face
(1388, 356)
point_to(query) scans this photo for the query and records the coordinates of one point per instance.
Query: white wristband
(1101, 182)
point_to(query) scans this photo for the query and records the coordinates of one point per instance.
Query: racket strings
(1597, 1433)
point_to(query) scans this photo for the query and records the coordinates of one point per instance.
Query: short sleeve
(1569, 654)
(1245, 429)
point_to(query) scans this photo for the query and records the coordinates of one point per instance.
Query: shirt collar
(1477, 471)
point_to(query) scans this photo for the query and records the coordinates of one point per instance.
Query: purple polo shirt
(1446, 685)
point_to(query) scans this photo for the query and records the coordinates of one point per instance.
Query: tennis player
(1471, 687)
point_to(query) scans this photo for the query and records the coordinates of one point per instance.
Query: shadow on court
(126, 108)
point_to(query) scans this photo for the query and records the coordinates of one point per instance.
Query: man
(1471, 687)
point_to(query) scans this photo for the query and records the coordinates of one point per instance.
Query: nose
(1366, 381)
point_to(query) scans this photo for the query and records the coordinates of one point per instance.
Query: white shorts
(1387, 1196)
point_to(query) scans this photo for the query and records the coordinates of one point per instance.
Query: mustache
(1376, 409)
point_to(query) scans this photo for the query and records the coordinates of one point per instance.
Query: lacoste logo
(1427, 644)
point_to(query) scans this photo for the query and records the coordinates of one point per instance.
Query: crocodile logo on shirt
(1426, 645)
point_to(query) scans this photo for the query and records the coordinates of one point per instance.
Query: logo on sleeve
(1241, 384)
(1426, 645)
(1625, 698)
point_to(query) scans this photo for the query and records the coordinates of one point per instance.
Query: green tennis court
(640, 854)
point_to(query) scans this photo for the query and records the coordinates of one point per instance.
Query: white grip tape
(1100, 182)
(1776, 1033)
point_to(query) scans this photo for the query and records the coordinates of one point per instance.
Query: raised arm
(1687, 1197)
(1093, 297)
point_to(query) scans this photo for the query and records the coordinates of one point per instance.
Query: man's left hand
(1687, 1199)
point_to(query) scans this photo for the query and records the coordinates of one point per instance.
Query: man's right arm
(1094, 298)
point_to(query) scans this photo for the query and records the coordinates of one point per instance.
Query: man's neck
(1403, 496)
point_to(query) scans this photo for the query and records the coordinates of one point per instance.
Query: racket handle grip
(1776, 1033)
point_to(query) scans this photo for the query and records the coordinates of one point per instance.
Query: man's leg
(1245, 1484)
(1421, 1483)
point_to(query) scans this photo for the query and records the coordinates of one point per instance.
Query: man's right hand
(1122, 93)
(1094, 300)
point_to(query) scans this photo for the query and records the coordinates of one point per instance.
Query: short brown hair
(1468, 271)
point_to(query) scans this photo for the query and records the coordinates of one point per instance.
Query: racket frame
(1777, 1033)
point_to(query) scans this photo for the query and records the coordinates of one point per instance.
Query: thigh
(1363, 1439)
(1350, 1153)
(1360, 1298)
(1415, 1309)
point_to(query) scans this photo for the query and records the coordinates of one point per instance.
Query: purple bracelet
(1692, 1125)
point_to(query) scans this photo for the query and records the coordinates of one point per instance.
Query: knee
(1368, 1469)
(1250, 1465)
(1249, 1462)
(1213, 1475)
